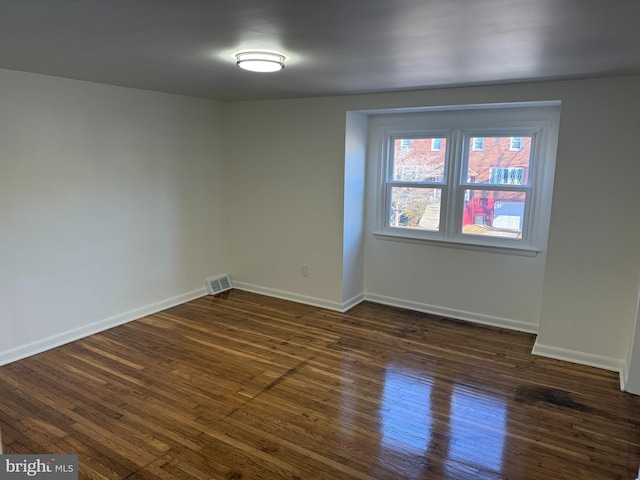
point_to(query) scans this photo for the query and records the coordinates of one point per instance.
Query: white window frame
(433, 145)
(538, 120)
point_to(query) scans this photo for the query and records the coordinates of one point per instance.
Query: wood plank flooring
(243, 386)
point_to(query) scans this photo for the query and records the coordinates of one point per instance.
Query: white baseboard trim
(581, 358)
(624, 375)
(59, 339)
(349, 304)
(295, 297)
(454, 313)
(394, 302)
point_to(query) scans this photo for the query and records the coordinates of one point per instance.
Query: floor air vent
(216, 285)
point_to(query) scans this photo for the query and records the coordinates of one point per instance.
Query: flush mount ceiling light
(260, 61)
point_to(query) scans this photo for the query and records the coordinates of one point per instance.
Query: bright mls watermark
(51, 467)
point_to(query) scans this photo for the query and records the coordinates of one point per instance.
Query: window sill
(479, 246)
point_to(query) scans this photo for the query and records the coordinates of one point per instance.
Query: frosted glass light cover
(260, 61)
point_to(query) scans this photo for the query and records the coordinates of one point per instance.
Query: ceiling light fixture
(260, 61)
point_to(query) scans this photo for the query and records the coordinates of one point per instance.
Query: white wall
(354, 207)
(110, 206)
(591, 280)
(632, 373)
(115, 202)
(286, 165)
(481, 286)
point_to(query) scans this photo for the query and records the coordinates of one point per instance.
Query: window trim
(538, 121)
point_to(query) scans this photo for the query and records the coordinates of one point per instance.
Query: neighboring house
(491, 160)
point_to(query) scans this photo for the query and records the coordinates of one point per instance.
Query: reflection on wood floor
(243, 386)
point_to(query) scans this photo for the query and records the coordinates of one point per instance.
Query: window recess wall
(438, 257)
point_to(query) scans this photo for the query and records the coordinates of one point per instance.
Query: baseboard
(581, 358)
(624, 375)
(349, 304)
(59, 339)
(454, 313)
(395, 302)
(598, 361)
(294, 297)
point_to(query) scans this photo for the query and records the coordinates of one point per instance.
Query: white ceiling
(333, 46)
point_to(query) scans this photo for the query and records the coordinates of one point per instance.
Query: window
(506, 175)
(460, 194)
(416, 180)
(405, 143)
(477, 143)
(436, 144)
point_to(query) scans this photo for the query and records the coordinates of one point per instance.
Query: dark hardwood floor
(243, 386)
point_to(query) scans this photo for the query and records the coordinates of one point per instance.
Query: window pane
(498, 163)
(506, 175)
(516, 143)
(493, 213)
(415, 208)
(419, 159)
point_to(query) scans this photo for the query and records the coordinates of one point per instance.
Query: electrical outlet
(305, 270)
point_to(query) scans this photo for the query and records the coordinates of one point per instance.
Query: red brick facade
(491, 161)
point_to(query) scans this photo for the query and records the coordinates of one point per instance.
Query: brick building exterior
(499, 161)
